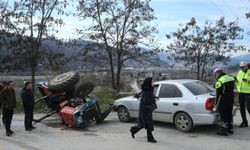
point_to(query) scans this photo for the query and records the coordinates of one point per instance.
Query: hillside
(238, 59)
(79, 62)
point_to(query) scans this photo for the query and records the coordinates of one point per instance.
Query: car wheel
(123, 114)
(183, 122)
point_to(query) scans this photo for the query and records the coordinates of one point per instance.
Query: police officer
(243, 89)
(8, 102)
(224, 100)
(28, 105)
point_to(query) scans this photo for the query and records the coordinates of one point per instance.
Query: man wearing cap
(224, 100)
(243, 89)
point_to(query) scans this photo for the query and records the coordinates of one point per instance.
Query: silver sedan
(186, 103)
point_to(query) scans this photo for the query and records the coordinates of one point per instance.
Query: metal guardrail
(5, 77)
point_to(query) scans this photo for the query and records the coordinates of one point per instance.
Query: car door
(170, 97)
(134, 109)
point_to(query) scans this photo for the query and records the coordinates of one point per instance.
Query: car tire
(123, 114)
(63, 82)
(183, 122)
(83, 89)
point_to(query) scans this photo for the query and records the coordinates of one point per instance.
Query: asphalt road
(114, 135)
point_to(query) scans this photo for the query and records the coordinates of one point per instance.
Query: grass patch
(105, 97)
(37, 109)
(19, 107)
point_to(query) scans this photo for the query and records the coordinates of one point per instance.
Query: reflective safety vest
(243, 86)
(220, 84)
(222, 80)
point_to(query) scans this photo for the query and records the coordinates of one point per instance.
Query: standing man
(1, 88)
(28, 105)
(8, 104)
(224, 100)
(243, 89)
(4, 85)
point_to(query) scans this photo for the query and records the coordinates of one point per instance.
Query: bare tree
(30, 23)
(248, 18)
(3, 19)
(201, 46)
(119, 26)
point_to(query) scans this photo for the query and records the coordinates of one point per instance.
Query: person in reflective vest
(243, 89)
(224, 101)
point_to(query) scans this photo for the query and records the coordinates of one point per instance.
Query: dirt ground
(114, 135)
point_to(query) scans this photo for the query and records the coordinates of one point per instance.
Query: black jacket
(146, 105)
(27, 97)
(8, 98)
(225, 94)
(1, 88)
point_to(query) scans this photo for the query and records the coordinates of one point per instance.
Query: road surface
(114, 135)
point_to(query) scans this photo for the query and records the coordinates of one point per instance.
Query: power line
(244, 5)
(217, 8)
(233, 12)
(230, 10)
(229, 7)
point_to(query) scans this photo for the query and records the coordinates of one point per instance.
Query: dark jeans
(28, 118)
(8, 114)
(244, 100)
(3, 117)
(226, 115)
(135, 129)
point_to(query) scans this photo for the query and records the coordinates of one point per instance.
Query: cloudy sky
(170, 13)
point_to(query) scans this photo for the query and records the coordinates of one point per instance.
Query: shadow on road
(206, 130)
(168, 128)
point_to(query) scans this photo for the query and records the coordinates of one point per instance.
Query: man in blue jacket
(1, 88)
(28, 105)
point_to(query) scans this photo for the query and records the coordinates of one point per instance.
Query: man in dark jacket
(8, 104)
(224, 100)
(28, 105)
(1, 88)
(3, 85)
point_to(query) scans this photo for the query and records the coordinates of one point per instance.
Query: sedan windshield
(199, 88)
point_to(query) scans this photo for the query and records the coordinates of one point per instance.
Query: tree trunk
(33, 67)
(33, 74)
(204, 63)
(202, 72)
(198, 68)
(118, 77)
(112, 70)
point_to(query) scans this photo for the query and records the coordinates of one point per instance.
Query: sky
(171, 13)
